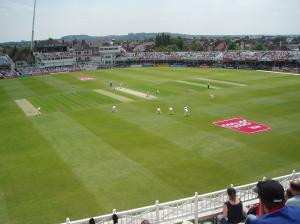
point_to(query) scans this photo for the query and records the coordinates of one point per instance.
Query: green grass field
(78, 159)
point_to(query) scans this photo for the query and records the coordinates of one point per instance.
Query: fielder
(157, 92)
(171, 111)
(158, 110)
(186, 111)
(114, 109)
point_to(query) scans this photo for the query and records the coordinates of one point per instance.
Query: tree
(279, 38)
(178, 41)
(258, 47)
(233, 46)
(166, 42)
(196, 47)
(14, 52)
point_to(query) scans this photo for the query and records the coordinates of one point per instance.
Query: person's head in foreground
(295, 187)
(271, 194)
(231, 194)
(145, 222)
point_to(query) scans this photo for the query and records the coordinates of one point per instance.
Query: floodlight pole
(33, 21)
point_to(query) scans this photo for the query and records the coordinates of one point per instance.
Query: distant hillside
(130, 36)
(18, 44)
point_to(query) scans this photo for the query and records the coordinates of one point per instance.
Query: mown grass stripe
(101, 167)
(222, 82)
(136, 93)
(113, 95)
(197, 84)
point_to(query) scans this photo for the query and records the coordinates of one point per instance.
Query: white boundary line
(282, 73)
(136, 93)
(222, 82)
(112, 95)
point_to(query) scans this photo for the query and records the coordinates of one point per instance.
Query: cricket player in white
(186, 111)
(158, 110)
(212, 96)
(114, 108)
(171, 111)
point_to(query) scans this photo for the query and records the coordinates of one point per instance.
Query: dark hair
(115, 218)
(231, 191)
(288, 193)
(145, 222)
(92, 221)
(295, 185)
(271, 193)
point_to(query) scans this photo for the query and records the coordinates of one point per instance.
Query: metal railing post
(196, 208)
(157, 211)
(294, 174)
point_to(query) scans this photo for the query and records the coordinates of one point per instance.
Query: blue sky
(56, 18)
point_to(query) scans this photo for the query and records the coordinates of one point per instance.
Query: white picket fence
(193, 208)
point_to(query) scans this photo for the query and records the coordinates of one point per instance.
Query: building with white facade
(109, 54)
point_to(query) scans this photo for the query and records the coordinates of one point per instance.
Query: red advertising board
(242, 125)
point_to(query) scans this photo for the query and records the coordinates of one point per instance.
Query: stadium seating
(215, 55)
(42, 71)
(5, 60)
(58, 62)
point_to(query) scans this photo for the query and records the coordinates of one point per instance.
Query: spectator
(271, 195)
(288, 194)
(295, 191)
(115, 218)
(232, 210)
(92, 221)
(145, 222)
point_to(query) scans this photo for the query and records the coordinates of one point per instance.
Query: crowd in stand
(4, 60)
(5, 67)
(41, 71)
(7, 73)
(215, 55)
(275, 205)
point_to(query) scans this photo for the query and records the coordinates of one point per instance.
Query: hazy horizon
(195, 17)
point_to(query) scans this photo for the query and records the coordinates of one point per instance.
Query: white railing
(192, 208)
